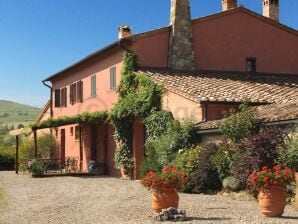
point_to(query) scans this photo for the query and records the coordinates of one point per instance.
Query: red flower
(169, 179)
(267, 177)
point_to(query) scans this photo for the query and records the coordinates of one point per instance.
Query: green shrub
(36, 168)
(224, 158)
(7, 162)
(177, 137)
(288, 156)
(187, 159)
(260, 149)
(46, 149)
(150, 163)
(231, 184)
(238, 125)
(204, 177)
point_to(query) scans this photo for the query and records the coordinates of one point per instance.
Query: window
(57, 97)
(77, 133)
(80, 91)
(76, 92)
(113, 78)
(56, 132)
(251, 65)
(73, 93)
(93, 86)
(71, 131)
(63, 97)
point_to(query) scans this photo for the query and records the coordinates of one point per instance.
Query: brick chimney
(124, 31)
(271, 9)
(228, 4)
(181, 52)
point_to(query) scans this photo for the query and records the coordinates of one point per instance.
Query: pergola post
(17, 154)
(35, 144)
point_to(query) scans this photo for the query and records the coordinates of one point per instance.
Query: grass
(2, 197)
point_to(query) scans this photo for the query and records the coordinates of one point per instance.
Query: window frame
(113, 78)
(93, 86)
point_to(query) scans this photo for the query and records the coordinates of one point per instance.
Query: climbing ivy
(138, 97)
(65, 120)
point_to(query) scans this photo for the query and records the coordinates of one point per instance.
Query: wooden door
(94, 142)
(62, 149)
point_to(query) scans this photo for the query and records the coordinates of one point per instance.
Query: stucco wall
(152, 48)
(218, 111)
(105, 98)
(224, 42)
(182, 108)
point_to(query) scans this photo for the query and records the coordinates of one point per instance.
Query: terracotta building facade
(207, 66)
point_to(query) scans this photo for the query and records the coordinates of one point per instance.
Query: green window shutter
(64, 97)
(57, 97)
(80, 91)
(113, 78)
(71, 94)
(93, 85)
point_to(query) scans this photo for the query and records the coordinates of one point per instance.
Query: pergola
(17, 133)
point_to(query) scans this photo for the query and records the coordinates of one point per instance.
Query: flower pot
(272, 201)
(124, 173)
(296, 197)
(164, 199)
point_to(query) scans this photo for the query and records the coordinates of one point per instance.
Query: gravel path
(109, 200)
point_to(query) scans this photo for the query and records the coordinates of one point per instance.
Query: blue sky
(40, 37)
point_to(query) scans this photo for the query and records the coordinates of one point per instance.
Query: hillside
(12, 113)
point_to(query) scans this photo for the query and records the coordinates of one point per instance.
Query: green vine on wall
(86, 117)
(139, 96)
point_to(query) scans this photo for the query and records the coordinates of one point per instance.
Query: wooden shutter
(57, 97)
(113, 78)
(80, 91)
(93, 85)
(71, 94)
(64, 97)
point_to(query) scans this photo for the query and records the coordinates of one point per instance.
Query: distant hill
(12, 113)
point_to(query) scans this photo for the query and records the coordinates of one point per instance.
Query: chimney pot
(228, 4)
(124, 31)
(271, 9)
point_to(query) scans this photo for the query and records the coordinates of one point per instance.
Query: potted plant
(289, 157)
(123, 161)
(164, 187)
(271, 185)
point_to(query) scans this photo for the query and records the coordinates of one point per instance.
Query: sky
(41, 37)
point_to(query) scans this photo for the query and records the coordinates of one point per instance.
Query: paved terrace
(63, 200)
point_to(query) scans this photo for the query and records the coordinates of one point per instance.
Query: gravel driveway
(110, 200)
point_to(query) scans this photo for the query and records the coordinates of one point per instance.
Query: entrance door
(94, 142)
(62, 147)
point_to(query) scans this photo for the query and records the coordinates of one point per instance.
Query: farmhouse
(206, 65)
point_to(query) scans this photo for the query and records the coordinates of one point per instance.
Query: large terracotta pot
(164, 199)
(272, 201)
(296, 197)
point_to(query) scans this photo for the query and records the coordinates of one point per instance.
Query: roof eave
(96, 53)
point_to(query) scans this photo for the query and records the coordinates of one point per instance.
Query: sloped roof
(265, 113)
(44, 111)
(229, 86)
